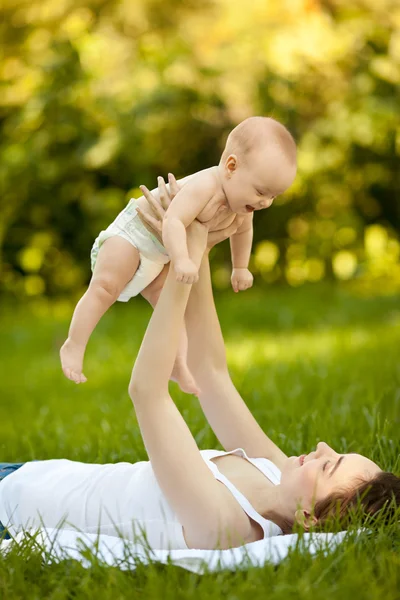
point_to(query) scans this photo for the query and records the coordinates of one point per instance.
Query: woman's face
(309, 478)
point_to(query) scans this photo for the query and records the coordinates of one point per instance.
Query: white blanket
(57, 545)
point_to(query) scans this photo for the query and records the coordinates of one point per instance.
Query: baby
(257, 164)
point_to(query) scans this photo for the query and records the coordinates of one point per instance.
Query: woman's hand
(160, 206)
(219, 228)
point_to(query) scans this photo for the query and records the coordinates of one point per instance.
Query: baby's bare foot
(71, 355)
(183, 377)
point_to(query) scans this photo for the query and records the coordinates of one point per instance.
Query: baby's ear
(231, 163)
(305, 519)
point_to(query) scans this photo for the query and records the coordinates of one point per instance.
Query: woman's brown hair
(378, 498)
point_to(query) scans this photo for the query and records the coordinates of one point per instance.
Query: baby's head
(258, 163)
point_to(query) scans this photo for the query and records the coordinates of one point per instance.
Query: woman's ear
(305, 519)
(231, 164)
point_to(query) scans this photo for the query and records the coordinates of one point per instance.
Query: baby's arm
(183, 210)
(241, 243)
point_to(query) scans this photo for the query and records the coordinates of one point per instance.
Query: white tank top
(266, 467)
(121, 499)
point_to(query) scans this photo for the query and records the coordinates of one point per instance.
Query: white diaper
(153, 255)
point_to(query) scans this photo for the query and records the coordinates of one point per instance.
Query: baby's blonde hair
(256, 132)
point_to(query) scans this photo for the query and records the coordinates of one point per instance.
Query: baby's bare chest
(215, 203)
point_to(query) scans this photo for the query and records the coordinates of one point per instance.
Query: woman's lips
(301, 459)
(249, 208)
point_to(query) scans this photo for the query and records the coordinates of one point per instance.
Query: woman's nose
(323, 448)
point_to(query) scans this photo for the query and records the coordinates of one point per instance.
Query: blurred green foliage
(103, 95)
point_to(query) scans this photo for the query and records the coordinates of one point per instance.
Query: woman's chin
(292, 462)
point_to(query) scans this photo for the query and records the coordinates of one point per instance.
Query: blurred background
(103, 95)
(100, 96)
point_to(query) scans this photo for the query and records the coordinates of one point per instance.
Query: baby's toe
(75, 377)
(67, 372)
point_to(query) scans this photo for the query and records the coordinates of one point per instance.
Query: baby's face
(254, 185)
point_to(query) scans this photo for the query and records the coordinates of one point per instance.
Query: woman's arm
(210, 516)
(225, 410)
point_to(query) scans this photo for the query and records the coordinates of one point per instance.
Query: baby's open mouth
(249, 208)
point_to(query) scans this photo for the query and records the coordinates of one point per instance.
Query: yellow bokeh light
(345, 236)
(344, 264)
(298, 228)
(393, 250)
(77, 22)
(295, 252)
(296, 273)
(375, 240)
(43, 240)
(315, 269)
(386, 69)
(102, 152)
(31, 259)
(266, 256)
(34, 285)
(325, 229)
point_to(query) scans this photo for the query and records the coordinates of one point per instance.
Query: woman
(176, 500)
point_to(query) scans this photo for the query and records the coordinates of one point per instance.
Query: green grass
(312, 364)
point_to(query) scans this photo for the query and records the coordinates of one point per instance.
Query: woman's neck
(272, 507)
(266, 499)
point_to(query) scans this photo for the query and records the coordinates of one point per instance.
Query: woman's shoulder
(210, 454)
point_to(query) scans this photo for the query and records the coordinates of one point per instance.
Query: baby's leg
(116, 264)
(180, 372)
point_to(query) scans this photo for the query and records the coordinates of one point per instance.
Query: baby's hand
(241, 280)
(186, 271)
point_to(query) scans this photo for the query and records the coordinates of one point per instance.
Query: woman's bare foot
(183, 377)
(71, 355)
